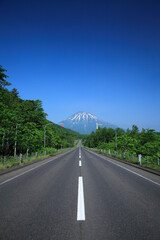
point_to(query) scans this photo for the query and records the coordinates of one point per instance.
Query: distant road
(79, 195)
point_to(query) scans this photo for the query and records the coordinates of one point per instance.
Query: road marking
(79, 156)
(80, 204)
(10, 179)
(129, 170)
(80, 163)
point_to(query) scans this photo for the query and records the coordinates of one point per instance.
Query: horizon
(101, 56)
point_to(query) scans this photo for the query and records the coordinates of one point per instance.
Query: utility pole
(116, 138)
(15, 144)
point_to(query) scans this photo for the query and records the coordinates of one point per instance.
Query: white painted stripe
(79, 156)
(80, 204)
(80, 163)
(10, 179)
(129, 170)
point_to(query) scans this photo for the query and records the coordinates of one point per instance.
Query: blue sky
(102, 57)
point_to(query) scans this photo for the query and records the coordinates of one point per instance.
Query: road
(79, 195)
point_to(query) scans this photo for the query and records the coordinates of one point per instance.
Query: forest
(23, 124)
(145, 142)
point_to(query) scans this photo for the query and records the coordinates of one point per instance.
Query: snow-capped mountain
(84, 123)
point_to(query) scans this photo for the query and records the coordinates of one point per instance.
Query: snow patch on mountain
(84, 122)
(82, 116)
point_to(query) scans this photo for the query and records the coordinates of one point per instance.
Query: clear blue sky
(97, 56)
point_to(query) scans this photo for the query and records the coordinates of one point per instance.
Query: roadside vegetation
(21, 159)
(23, 124)
(127, 145)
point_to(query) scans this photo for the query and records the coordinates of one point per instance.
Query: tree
(134, 132)
(3, 81)
(126, 143)
(150, 148)
(120, 132)
(148, 135)
(15, 92)
(32, 111)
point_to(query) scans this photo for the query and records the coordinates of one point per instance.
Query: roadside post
(140, 158)
(21, 158)
(4, 160)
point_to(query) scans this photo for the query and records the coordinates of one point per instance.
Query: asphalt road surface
(79, 195)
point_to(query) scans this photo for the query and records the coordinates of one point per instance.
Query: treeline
(146, 142)
(22, 124)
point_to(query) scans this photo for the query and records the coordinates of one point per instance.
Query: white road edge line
(80, 204)
(10, 179)
(80, 163)
(129, 170)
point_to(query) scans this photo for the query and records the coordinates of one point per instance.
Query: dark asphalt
(42, 203)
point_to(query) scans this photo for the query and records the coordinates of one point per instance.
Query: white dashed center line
(80, 205)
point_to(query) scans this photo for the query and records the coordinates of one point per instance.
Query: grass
(151, 164)
(13, 161)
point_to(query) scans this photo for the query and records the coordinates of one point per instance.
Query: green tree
(148, 135)
(3, 76)
(134, 132)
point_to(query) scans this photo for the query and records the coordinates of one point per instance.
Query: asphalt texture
(40, 201)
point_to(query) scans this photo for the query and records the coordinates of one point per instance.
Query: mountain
(85, 123)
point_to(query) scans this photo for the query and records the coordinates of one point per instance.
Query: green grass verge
(144, 163)
(12, 161)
